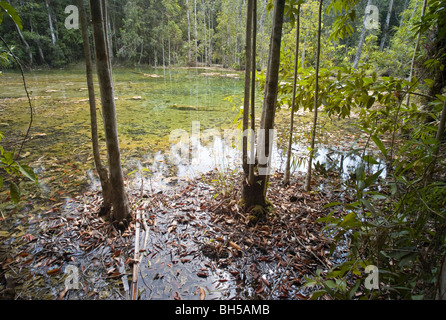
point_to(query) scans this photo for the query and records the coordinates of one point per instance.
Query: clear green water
(146, 109)
(150, 104)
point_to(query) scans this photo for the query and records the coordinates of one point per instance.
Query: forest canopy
(186, 32)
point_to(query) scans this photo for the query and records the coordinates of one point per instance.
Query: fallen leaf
(202, 274)
(53, 272)
(117, 253)
(4, 234)
(202, 294)
(62, 294)
(235, 245)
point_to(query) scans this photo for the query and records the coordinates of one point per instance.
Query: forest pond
(152, 105)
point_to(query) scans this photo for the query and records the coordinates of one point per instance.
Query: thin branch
(27, 95)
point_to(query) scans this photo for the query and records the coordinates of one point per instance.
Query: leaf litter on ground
(195, 244)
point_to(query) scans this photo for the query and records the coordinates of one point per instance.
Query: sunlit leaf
(10, 11)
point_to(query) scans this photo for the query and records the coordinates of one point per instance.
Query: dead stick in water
(136, 259)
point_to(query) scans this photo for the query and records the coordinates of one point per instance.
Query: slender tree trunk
(439, 137)
(25, 43)
(254, 195)
(102, 171)
(189, 61)
(107, 31)
(386, 27)
(50, 20)
(303, 49)
(37, 42)
(248, 47)
(316, 102)
(293, 101)
(251, 177)
(417, 44)
(196, 34)
(361, 41)
(121, 210)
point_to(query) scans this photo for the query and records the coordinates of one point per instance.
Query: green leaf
(370, 159)
(15, 192)
(368, 205)
(332, 204)
(348, 219)
(12, 13)
(28, 172)
(380, 145)
(330, 284)
(317, 294)
(370, 180)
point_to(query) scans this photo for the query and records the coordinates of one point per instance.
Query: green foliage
(7, 162)
(11, 12)
(13, 168)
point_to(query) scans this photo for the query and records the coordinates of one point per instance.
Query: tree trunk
(196, 35)
(189, 61)
(361, 41)
(316, 102)
(254, 195)
(50, 20)
(247, 87)
(286, 179)
(303, 49)
(386, 27)
(102, 171)
(121, 210)
(251, 177)
(439, 137)
(417, 44)
(25, 43)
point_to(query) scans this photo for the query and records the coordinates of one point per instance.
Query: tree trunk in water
(102, 171)
(251, 177)
(254, 195)
(121, 210)
(247, 88)
(286, 179)
(386, 27)
(361, 41)
(316, 102)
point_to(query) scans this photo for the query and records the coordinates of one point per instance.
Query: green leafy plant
(14, 168)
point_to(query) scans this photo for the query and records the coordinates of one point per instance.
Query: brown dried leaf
(202, 294)
(235, 246)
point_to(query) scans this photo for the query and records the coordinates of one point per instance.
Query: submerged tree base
(253, 200)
